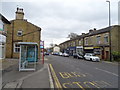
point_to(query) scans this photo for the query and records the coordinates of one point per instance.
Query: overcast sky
(58, 18)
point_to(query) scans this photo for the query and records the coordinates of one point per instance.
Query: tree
(72, 35)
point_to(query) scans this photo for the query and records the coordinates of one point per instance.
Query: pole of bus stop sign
(43, 53)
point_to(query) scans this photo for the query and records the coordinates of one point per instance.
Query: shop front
(3, 21)
(2, 46)
(88, 49)
(98, 52)
(72, 50)
(79, 49)
(102, 52)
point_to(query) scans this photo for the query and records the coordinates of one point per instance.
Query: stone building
(20, 30)
(96, 41)
(3, 30)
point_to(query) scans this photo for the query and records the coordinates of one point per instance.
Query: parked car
(46, 53)
(65, 55)
(77, 55)
(91, 56)
(55, 53)
(60, 53)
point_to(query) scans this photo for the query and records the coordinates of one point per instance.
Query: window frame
(106, 41)
(19, 31)
(98, 41)
(15, 47)
(86, 41)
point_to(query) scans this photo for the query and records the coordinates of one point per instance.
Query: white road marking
(107, 72)
(50, 78)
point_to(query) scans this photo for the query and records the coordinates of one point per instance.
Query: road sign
(41, 43)
(41, 47)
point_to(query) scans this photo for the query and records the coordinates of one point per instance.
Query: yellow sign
(88, 47)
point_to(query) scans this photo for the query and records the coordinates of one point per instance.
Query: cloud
(58, 18)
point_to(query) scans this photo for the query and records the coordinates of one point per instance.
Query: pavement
(12, 78)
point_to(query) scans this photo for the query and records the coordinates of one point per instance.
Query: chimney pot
(19, 13)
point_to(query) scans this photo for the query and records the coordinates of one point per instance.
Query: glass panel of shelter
(27, 57)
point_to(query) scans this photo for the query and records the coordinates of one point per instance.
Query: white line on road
(50, 78)
(107, 72)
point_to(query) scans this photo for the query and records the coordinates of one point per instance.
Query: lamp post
(109, 13)
(109, 30)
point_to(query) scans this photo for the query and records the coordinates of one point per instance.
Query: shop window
(16, 48)
(97, 51)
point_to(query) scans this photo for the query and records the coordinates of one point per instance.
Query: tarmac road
(77, 73)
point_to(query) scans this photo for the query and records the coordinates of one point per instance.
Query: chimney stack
(90, 30)
(83, 33)
(19, 13)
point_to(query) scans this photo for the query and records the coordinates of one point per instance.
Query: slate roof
(94, 32)
(4, 19)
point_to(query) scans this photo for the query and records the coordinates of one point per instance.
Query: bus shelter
(28, 56)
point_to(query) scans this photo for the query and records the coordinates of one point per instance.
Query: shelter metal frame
(23, 62)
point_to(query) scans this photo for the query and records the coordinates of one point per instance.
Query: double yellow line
(57, 83)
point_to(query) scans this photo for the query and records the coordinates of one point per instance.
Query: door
(102, 54)
(107, 55)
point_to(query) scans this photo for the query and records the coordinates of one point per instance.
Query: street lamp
(109, 31)
(109, 13)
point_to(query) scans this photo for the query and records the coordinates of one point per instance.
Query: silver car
(65, 55)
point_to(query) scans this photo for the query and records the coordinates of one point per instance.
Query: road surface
(77, 73)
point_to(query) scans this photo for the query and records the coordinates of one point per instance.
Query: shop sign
(1, 25)
(96, 47)
(79, 47)
(88, 47)
(2, 39)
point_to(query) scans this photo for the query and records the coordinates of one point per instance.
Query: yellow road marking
(93, 84)
(64, 75)
(64, 85)
(58, 85)
(78, 83)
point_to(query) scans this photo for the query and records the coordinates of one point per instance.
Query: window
(16, 48)
(86, 41)
(80, 42)
(106, 39)
(19, 33)
(73, 43)
(98, 39)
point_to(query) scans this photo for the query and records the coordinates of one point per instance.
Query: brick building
(95, 41)
(20, 30)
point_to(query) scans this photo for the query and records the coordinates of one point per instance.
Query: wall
(115, 37)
